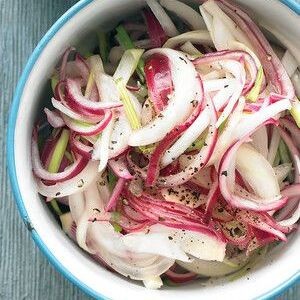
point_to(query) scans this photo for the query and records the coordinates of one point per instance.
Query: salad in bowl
(171, 152)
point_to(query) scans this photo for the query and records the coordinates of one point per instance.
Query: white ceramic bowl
(280, 270)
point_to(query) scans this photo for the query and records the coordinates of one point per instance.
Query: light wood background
(24, 271)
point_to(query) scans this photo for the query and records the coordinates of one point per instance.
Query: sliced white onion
(77, 205)
(296, 82)
(180, 104)
(281, 171)
(197, 37)
(115, 54)
(189, 48)
(184, 12)
(293, 219)
(54, 118)
(257, 172)
(162, 17)
(153, 283)
(197, 244)
(95, 63)
(77, 184)
(260, 141)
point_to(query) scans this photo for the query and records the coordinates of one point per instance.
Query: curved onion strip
(78, 102)
(82, 66)
(119, 167)
(54, 119)
(88, 129)
(159, 80)
(237, 55)
(273, 68)
(257, 221)
(63, 108)
(196, 37)
(190, 49)
(236, 196)
(293, 151)
(181, 278)
(112, 202)
(62, 71)
(200, 160)
(153, 167)
(78, 183)
(196, 129)
(292, 128)
(78, 147)
(164, 20)
(179, 106)
(184, 12)
(257, 172)
(42, 173)
(212, 198)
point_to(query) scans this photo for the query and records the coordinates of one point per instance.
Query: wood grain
(24, 271)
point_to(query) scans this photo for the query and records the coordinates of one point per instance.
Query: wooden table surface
(24, 271)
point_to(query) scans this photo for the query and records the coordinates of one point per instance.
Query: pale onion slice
(115, 54)
(180, 104)
(281, 171)
(66, 222)
(199, 245)
(162, 17)
(260, 141)
(296, 82)
(53, 118)
(196, 129)
(184, 12)
(197, 37)
(77, 205)
(214, 268)
(213, 9)
(183, 195)
(128, 64)
(190, 49)
(77, 184)
(95, 63)
(257, 172)
(153, 283)
(147, 113)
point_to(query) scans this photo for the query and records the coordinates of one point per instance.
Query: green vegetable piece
(54, 81)
(285, 157)
(277, 159)
(253, 94)
(112, 180)
(103, 45)
(57, 156)
(295, 112)
(117, 227)
(125, 41)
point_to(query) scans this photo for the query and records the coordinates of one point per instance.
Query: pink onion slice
(153, 167)
(78, 147)
(112, 202)
(62, 71)
(181, 278)
(119, 167)
(159, 80)
(237, 196)
(273, 68)
(90, 129)
(200, 160)
(79, 103)
(54, 118)
(42, 173)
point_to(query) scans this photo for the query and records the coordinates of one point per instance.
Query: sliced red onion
(281, 172)
(184, 12)
(42, 173)
(58, 91)
(212, 198)
(153, 167)
(164, 20)
(196, 37)
(54, 118)
(62, 71)
(293, 129)
(119, 167)
(82, 66)
(159, 80)
(112, 203)
(78, 147)
(130, 213)
(237, 196)
(257, 221)
(181, 277)
(180, 104)
(200, 160)
(155, 31)
(78, 183)
(78, 102)
(88, 129)
(273, 68)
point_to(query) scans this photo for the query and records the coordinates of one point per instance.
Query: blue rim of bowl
(292, 4)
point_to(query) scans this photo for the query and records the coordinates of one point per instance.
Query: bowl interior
(79, 31)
